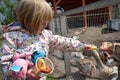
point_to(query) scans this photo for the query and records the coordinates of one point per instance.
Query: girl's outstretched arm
(66, 44)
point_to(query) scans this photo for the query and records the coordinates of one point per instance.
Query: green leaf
(7, 9)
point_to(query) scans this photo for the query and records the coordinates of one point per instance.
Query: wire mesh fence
(94, 18)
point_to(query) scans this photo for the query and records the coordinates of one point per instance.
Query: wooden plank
(63, 25)
(58, 28)
(58, 2)
(110, 12)
(92, 6)
(55, 3)
(67, 65)
(52, 26)
(54, 7)
(85, 17)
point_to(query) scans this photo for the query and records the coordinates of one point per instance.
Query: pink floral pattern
(22, 41)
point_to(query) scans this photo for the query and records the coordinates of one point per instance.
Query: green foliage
(1, 9)
(0, 71)
(0, 75)
(7, 9)
(49, 77)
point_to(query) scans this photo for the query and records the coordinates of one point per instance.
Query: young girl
(31, 35)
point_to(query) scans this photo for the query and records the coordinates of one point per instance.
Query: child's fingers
(45, 69)
(90, 47)
(32, 76)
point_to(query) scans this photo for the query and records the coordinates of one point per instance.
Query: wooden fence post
(64, 31)
(63, 25)
(85, 17)
(67, 65)
(52, 26)
(58, 28)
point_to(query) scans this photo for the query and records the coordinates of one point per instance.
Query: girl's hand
(87, 47)
(31, 75)
(90, 47)
(45, 69)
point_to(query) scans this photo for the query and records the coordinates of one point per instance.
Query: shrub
(7, 10)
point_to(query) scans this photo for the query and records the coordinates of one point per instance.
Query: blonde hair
(33, 13)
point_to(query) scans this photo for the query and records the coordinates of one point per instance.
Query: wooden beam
(67, 65)
(114, 11)
(55, 3)
(85, 17)
(92, 6)
(69, 1)
(110, 12)
(58, 2)
(63, 25)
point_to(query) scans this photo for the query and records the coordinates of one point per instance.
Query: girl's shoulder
(13, 31)
(10, 27)
(47, 32)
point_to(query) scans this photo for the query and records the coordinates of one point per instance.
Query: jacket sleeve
(64, 43)
(6, 50)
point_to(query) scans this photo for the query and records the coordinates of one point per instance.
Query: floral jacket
(17, 39)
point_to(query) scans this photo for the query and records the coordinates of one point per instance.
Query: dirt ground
(93, 35)
(96, 35)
